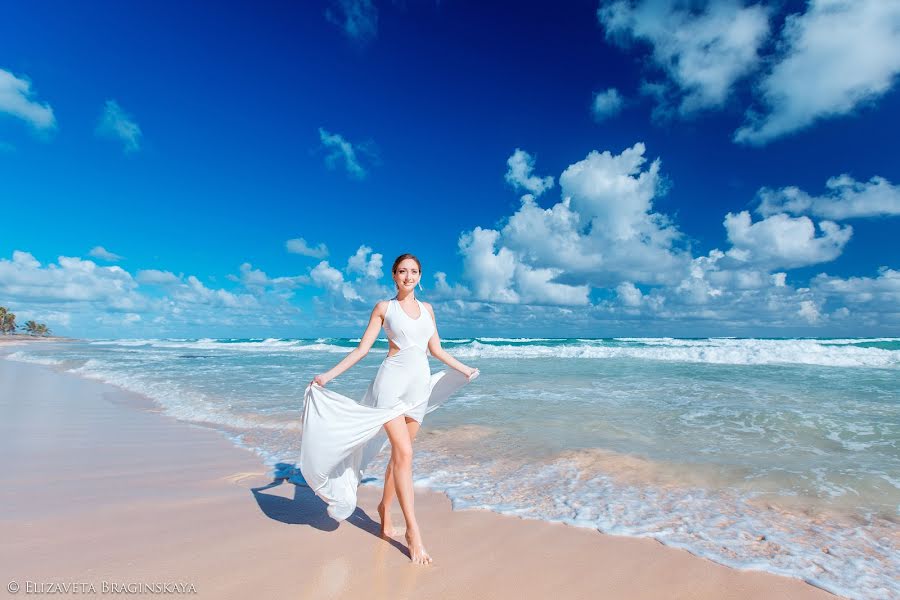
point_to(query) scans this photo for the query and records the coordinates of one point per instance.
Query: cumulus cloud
(538, 286)
(364, 264)
(117, 124)
(444, 291)
(326, 276)
(606, 104)
(17, 99)
(490, 271)
(104, 254)
(257, 281)
(183, 291)
(193, 291)
(809, 311)
(858, 301)
(604, 231)
(551, 236)
(300, 246)
(358, 19)
(341, 151)
(884, 289)
(605, 234)
(519, 174)
(71, 279)
(629, 294)
(78, 296)
(845, 198)
(784, 241)
(500, 276)
(702, 52)
(612, 196)
(157, 277)
(837, 56)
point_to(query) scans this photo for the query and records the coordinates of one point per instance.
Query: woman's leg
(390, 489)
(401, 456)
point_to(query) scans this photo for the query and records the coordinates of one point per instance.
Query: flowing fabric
(341, 436)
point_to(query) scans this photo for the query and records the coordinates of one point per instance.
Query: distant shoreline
(16, 338)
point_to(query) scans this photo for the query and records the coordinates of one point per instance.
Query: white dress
(341, 436)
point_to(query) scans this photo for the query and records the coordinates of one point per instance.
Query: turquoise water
(756, 453)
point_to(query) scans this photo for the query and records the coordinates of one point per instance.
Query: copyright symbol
(13, 587)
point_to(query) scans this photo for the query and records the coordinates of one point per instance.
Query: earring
(420, 285)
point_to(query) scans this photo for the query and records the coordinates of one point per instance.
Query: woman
(340, 436)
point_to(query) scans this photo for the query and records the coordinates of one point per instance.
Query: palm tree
(7, 321)
(35, 328)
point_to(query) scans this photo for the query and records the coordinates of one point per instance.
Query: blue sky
(595, 169)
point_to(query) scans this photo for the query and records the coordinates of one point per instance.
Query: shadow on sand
(308, 509)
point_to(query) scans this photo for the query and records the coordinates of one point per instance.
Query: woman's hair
(403, 257)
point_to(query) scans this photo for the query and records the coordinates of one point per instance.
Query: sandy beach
(99, 486)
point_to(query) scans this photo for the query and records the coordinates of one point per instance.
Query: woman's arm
(360, 352)
(434, 346)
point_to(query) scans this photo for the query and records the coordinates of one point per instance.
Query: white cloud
(613, 198)
(365, 265)
(490, 272)
(257, 282)
(521, 165)
(17, 99)
(809, 311)
(186, 291)
(326, 276)
(193, 291)
(550, 237)
(157, 277)
(704, 52)
(444, 291)
(784, 241)
(845, 198)
(838, 55)
(698, 286)
(602, 233)
(116, 123)
(339, 149)
(883, 290)
(500, 275)
(104, 254)
(78, 297)
(607, 104)
(629, 294)
(300, 246)
(358, 19)
(537, 286)
(72, 279)
(605, 234)
(871, 302)
(612, 190)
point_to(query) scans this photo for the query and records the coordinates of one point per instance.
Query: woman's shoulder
(381, 307)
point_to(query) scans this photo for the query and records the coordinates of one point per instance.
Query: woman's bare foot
(417, 553)
(387, 528)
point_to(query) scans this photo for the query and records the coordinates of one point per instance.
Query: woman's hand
(470, 372)
(320, 380)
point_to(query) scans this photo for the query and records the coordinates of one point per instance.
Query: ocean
(780, 455)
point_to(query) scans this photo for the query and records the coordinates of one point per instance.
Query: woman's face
(407, 274)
